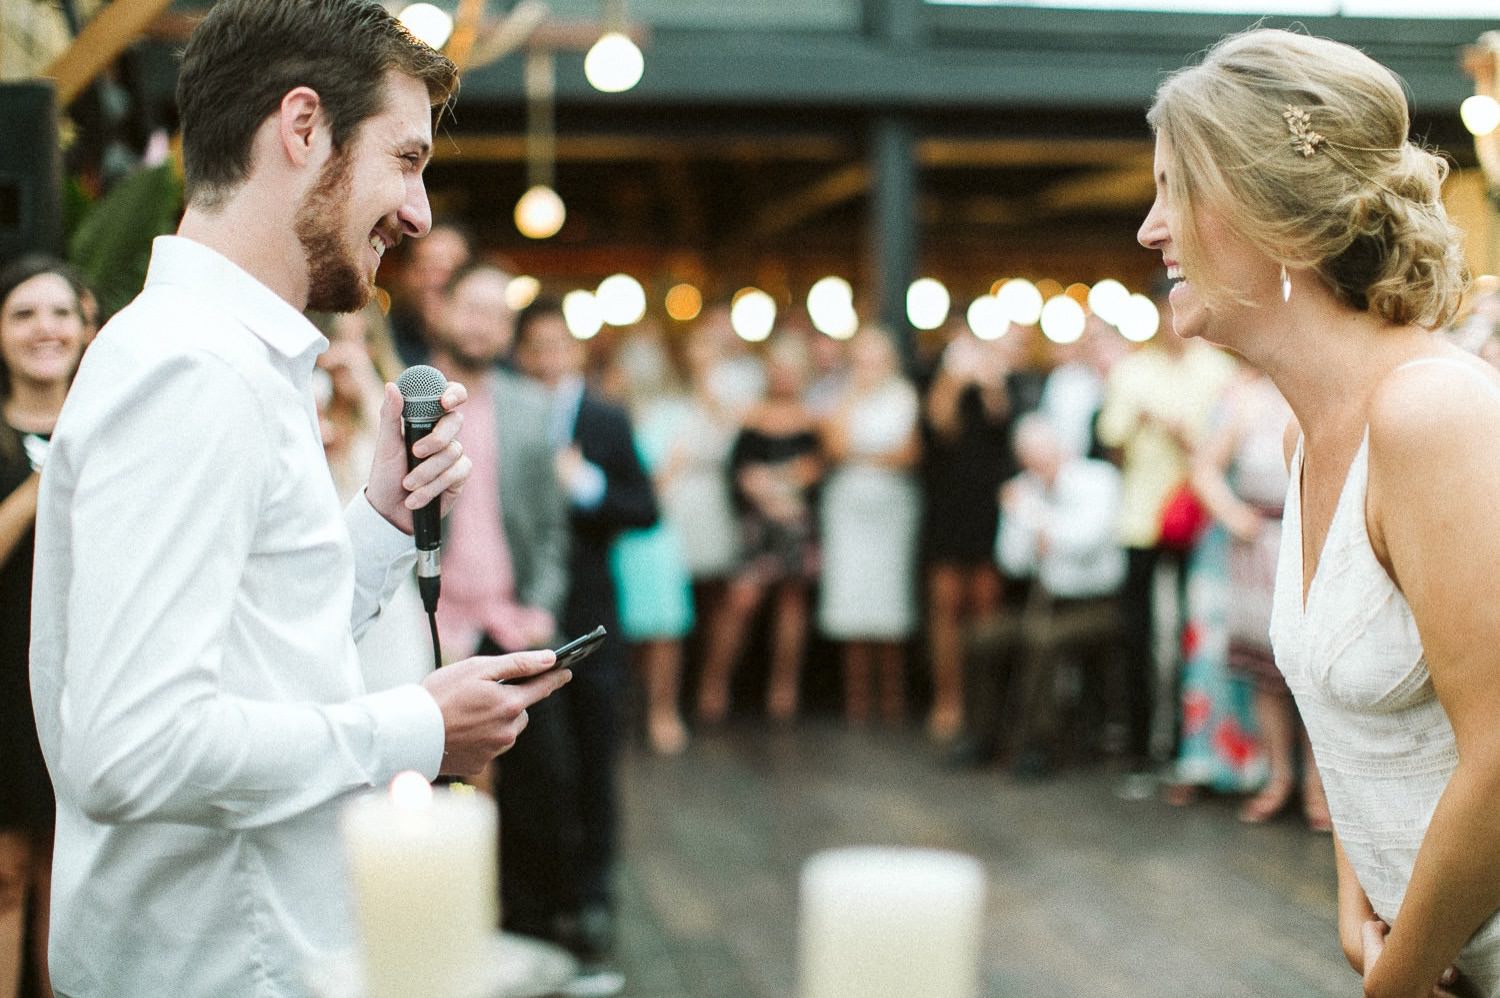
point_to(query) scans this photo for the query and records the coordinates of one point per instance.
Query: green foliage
(111, 244)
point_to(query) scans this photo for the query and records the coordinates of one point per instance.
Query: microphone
(421, 387)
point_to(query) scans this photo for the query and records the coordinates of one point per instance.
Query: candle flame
(411, 791)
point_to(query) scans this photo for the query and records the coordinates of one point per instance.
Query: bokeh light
(540, 213)
(521, 291)
(684, 302)
(430, 23)
(1480, 114)
(1021, 301)
(1107, 300)
(622, 300)
(1139, 320)
(1063, 319)
(752, 315)
(987, 318)
(927, 303)
(614, 64)
(830, 306)
(582, 313)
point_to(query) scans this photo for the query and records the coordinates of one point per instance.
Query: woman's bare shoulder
(1435, 401)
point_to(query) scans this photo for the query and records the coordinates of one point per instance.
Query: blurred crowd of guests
(1058, 553)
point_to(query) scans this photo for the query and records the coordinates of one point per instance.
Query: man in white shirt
(197, 690)
(1058, 523)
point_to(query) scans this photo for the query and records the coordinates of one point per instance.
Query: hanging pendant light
(540, 212)
(614, 64)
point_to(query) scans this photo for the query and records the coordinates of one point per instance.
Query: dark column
(893, 248)
(893, 223)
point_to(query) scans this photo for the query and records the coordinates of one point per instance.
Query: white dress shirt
(1078, 516)
(197, 691)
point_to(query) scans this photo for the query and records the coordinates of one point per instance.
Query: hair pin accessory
(1299, 123)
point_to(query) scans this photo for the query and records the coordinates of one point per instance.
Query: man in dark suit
(573, 746)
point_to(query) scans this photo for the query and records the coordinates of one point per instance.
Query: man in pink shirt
(505, 571)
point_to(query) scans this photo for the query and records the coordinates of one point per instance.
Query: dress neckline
(1307, 583)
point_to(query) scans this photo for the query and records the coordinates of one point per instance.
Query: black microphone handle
(427, 525)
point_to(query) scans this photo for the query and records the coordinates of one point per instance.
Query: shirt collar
(176, 260)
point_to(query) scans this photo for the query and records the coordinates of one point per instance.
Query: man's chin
(339, 292)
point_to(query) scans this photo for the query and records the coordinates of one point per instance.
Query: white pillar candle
(422, 865)
(890, 923)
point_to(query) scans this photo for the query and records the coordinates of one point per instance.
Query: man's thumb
(517, 665)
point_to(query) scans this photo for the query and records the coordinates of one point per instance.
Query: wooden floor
(1089, 895)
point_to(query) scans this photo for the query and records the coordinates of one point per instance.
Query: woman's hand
(1244, 522)
(1372, 940)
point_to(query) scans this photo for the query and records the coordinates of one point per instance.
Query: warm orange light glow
(684, 302)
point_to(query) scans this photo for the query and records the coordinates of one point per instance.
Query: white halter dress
(1383, 744)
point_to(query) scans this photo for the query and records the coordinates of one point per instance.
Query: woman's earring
(1286, 285)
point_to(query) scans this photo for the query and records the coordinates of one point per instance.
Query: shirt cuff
(408, 731)
(586, 490)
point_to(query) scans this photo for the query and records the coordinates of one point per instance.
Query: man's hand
(569, 465)
(484, 701)
(393, 491)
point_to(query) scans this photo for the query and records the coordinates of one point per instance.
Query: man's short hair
(247, 54)
(468, 270)
(542, 307)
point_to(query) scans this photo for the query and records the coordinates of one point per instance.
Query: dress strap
(1460, 365)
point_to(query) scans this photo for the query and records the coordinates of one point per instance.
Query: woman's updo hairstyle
(1300, 145)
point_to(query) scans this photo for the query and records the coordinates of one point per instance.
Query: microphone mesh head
(421, 387)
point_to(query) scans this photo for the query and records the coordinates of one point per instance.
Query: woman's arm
(942, 405)
(1354, 909)
(904, 455)
(1209, 475)
(1434, 523)
(833, 433)
(17, 515)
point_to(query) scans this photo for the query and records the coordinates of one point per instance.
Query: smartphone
(579, 648)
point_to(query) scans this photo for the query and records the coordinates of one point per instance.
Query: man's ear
(302, 125)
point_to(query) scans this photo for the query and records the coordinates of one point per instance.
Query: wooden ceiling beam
(784, 214)
(954, 153)
(106, 35)
(493, 148)
(1130, 183)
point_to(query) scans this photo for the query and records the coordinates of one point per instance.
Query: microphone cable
(437, 647)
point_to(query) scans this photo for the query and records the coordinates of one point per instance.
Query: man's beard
(334, 283)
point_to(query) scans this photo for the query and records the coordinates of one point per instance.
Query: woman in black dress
(775, 465)
(41, 340)
(968, 411)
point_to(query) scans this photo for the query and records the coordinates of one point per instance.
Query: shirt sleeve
(383, 556)
(1120, 411)
(1085, 520)
(586, 489)
(166, 501)
(1015, 548)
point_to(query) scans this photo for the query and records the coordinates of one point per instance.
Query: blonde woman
(1306, 233)
(870, 510)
